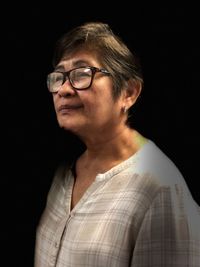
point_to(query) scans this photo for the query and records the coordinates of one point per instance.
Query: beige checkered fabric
(139, 214)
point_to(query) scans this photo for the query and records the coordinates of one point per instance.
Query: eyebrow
(76, 64)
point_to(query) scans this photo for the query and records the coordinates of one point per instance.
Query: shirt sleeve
(169, 235)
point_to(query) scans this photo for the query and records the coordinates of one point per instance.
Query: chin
(66, 123)
(70, 127)
(67, 126)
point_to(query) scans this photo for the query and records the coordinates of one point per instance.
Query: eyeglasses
(80, 78)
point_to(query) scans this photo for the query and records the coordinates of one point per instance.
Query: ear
(131, 93)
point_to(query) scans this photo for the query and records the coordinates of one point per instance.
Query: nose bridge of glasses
(66, 76)
(67, 80)
(65, 84)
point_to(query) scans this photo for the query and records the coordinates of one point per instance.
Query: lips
(69, 107)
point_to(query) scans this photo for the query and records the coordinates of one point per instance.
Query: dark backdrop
(166, 39)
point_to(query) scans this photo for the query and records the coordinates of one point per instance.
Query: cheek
(103, 109)
(54, 100)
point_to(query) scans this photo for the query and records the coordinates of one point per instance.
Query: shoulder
(61, 177)
(152, 173)
(61, 172)
(152, 161)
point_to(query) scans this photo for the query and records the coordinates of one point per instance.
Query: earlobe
(125, 109)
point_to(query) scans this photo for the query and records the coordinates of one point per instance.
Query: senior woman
(122, 202)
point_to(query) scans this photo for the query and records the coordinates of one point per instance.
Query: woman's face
(90, 111)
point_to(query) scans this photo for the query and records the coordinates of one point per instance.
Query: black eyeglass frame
(66, 75)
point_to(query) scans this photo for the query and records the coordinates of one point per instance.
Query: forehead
(78, 59)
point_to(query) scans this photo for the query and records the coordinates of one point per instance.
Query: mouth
(68, 108)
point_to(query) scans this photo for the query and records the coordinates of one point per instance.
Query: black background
(166, 39)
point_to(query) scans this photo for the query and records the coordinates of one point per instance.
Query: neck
(114, 147)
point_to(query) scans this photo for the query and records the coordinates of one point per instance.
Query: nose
(66, 89)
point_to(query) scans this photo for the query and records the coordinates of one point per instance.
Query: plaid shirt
(140, 214)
